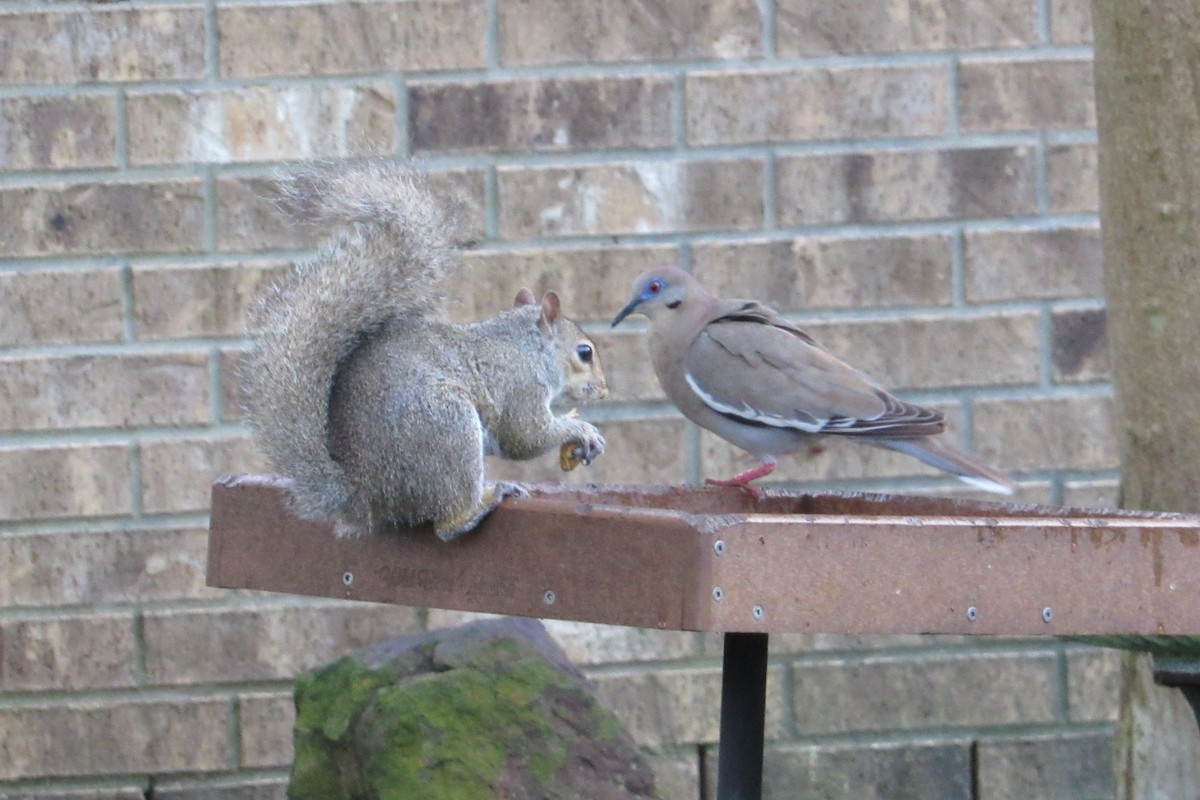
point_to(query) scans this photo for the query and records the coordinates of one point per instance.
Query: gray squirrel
(364, 394)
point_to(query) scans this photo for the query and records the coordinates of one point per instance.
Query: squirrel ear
(524, 298)
(550, 309)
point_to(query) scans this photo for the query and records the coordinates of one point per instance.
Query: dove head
(662, 291)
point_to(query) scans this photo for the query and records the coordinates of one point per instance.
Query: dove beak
(626, 311)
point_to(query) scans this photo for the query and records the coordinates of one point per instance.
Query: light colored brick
(125, 792)
(908, 694)
(625, 357)
(265, 643)
(233, 401)
(60, 306)
(1033, 264)
(556, 114)
(97, 218)
(808, 104)
(557, 32)
(64, 481)
(68, 653)
(1094, 685)
(594, 283)
(641, 197)
(248, 219)
(906, 185)
(177, 474)
(830, 272)
(57, 132)
(1091, 494)
(101, 390)
(1070, 21)
(1026, 95)
(817, 28)
(124, 566)
(1056, 433)
(88, 738)
(678, 705)
(1078, 346)
(934, 352)
(344, 38)
(676, 772)
(262, 123)
(100, 45)
(197, 299)
(637, 451)
(244, 789)
(1069, 766)
(266, 728)
(586, 643)
(928, 770)
(1073, 178)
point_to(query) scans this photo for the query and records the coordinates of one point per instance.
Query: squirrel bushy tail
(395, 246)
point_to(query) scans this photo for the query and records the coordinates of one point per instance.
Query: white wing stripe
(749, 414)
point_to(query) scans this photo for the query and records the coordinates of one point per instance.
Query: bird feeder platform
(717, 559)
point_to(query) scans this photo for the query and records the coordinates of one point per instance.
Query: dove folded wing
(752, 367)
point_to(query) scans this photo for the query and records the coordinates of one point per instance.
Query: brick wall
(913, 180)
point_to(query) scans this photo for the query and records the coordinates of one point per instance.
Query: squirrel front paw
(583, 447)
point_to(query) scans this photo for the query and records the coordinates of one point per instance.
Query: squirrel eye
(654, 287)
(584, 351)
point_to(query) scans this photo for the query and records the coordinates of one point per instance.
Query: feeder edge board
(709, 559)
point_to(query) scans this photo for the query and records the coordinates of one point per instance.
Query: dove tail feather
(950, 460)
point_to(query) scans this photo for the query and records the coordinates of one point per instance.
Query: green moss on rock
(491, 709)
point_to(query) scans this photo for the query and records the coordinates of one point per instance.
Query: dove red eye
(654, 287)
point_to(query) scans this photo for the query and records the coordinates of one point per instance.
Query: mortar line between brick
(124, 436)
(491, 202)
(168, 607)
(128, 306)
(770, 192)
(210, 233)
(958, 268)
(1041, 177)
(139, 647)
(954, 99)
(1046, 347)
(492, 36)
(402, 117)
(212, 47)
(951, 733)
(679, 112)
(121, 119)
(769, 12)
(694, 473)
(234, 731)
(216, 386)
(435, 161)
(1044, 23)
(136, 485)
(212, 80)
(69, 526)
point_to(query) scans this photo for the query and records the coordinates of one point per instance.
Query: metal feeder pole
(743, 710)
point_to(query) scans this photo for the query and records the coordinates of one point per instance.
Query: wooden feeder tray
(716, 559)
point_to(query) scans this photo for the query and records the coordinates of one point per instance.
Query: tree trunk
(1147, 67)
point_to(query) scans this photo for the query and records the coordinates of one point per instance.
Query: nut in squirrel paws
(583, 450)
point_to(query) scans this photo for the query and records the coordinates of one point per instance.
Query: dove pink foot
(742, 481)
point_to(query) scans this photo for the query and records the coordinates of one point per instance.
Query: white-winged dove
(739, 369)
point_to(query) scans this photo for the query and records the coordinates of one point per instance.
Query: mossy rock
(493, 709)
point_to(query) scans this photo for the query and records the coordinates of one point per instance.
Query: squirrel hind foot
(493, 494)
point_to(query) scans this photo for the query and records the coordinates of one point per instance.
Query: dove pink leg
(742, 480)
